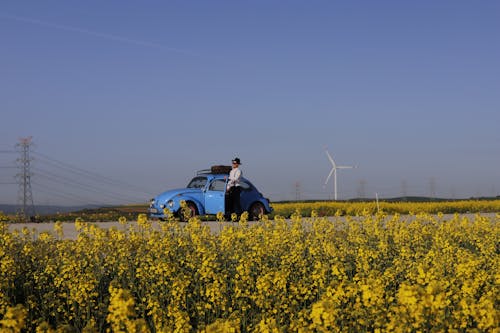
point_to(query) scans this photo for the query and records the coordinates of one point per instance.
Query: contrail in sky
(94, 33)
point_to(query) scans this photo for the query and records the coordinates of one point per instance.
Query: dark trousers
(233, 204)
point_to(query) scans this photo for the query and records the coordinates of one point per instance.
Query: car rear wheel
(256, 211)
(190, 211)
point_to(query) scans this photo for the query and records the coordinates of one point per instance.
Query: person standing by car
(234, 189)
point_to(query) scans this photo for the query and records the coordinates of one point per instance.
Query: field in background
(350, 208)
(286, 209)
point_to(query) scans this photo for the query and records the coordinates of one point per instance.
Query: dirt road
(70, 232)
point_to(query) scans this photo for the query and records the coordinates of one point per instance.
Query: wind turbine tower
(335, 167)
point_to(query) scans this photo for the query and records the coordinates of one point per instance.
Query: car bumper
(157, 212)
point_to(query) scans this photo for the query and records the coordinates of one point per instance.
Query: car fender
(265, 203)
(199, 206)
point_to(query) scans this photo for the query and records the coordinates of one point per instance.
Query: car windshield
(197, 182)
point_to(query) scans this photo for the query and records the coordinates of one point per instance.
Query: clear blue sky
(144, 93)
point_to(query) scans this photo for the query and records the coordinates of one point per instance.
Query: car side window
(197, 182)
(217, 185)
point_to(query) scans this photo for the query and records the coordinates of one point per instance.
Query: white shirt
(234, 178)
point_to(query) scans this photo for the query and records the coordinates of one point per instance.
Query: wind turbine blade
(330, 158)
(345, 167)
(329, 175)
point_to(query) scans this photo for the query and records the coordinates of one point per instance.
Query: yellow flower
(58, 228)
(14, 319)
(121, 309)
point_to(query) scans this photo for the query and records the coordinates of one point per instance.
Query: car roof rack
(202, 172)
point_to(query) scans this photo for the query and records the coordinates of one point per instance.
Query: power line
(64, 180)
(90, 174)
(74, 183)
(6, 167)
(65, 195)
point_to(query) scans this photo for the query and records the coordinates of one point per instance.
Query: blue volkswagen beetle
(205, 195)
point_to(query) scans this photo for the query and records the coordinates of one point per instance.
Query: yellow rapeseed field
(329, 208)
(371, 272)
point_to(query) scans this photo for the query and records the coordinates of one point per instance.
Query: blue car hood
(180, 191)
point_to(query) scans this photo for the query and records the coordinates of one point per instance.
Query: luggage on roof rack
(216, 169)
(221, 169)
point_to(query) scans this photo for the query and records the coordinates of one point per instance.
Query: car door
(214, 196)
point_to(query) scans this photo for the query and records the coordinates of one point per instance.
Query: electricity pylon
(27, 207)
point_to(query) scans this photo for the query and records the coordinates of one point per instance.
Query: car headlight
(170, 203)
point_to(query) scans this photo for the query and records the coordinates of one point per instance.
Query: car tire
(193, 210)
(256, 211)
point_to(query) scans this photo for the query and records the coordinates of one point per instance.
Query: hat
(236, 160)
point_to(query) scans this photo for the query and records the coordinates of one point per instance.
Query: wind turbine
(334, 172)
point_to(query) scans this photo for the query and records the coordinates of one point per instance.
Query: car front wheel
(188, 212)
(256, 211)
